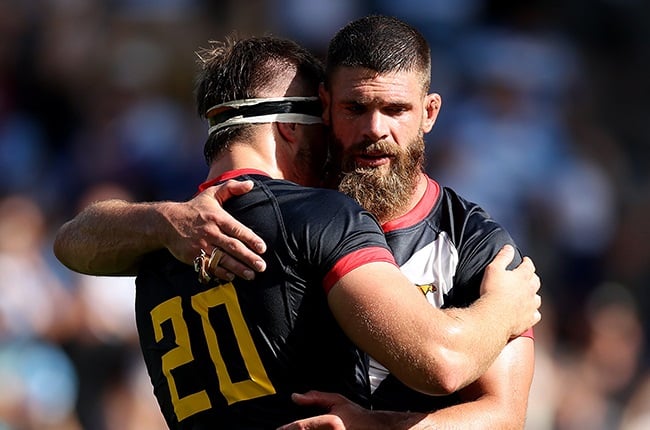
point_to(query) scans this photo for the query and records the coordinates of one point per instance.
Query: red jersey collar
(419, 212)
(229, 175)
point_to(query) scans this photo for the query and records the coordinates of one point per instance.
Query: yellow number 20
(257, 385)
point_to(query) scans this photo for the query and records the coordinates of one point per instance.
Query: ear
(432, 104)
(287, 130)
(325, 99)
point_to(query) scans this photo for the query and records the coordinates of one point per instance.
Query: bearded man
(377, 104)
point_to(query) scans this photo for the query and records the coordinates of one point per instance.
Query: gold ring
(201, 263)
(198, 261)
(215, 257)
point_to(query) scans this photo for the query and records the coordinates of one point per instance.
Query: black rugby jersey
(228, 356)
(443, 246)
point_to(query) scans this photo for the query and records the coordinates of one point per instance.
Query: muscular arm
(110, 237)
(498, 399)
(431, 350)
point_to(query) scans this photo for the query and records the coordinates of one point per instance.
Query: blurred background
(545, 122)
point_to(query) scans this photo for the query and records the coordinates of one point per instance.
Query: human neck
(239, 158)
(258, 154)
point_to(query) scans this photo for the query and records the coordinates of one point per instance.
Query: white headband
(272, 109)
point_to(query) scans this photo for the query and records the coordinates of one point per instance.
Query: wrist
(159, 229)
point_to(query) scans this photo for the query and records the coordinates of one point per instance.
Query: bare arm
(498, 399)
(110, 237)
(445, 350)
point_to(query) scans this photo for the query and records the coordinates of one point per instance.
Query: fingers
(503, 258)
(232, 188)
(202, 224)
(518, 288)
(205, 265)
(529, 263)
(240, 244)
(321, 422)
(321, 399)
(317, 398)
(526, 266)
(236, 259)
(534, 284)
(219, 266)
(305, 399)
(230, 267)
(215, 257)
(232, 227)
(232, 230)
(313, 398)
(233, 234)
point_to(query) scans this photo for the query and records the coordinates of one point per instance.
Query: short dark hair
(380, 43)
(238, 69)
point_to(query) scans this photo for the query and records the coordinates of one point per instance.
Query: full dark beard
(385, 195)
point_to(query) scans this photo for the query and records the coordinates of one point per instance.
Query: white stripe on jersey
(435, 264)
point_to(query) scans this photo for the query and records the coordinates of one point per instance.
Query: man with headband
(229, 355)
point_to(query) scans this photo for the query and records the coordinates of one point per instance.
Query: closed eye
(394, 110)
(354, 108)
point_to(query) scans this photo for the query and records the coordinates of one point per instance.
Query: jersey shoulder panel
(477, 236)
(321, 226)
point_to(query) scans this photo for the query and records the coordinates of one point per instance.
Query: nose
(375, 126)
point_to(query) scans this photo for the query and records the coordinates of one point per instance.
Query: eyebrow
(366, 102)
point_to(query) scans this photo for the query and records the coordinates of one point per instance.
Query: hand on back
(202, 224)
(341, 413)
(517, 290)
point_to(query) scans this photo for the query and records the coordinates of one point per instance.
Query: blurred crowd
(544, 122)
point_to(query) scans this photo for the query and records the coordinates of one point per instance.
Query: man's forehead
(359, 83)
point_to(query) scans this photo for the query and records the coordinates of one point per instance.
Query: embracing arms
(498, 400)
(445, 350)
(432, 350)
(110, 237)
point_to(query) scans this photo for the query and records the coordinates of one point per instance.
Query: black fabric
(285, 311)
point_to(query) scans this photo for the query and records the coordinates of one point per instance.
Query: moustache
(382, 147)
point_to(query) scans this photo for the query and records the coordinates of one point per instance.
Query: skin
(371, 111)
(479, 410)
(108, 238)
(362, 106)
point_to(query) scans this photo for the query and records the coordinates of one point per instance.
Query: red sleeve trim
(353, 260)
(230, 175)
(528, 333)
